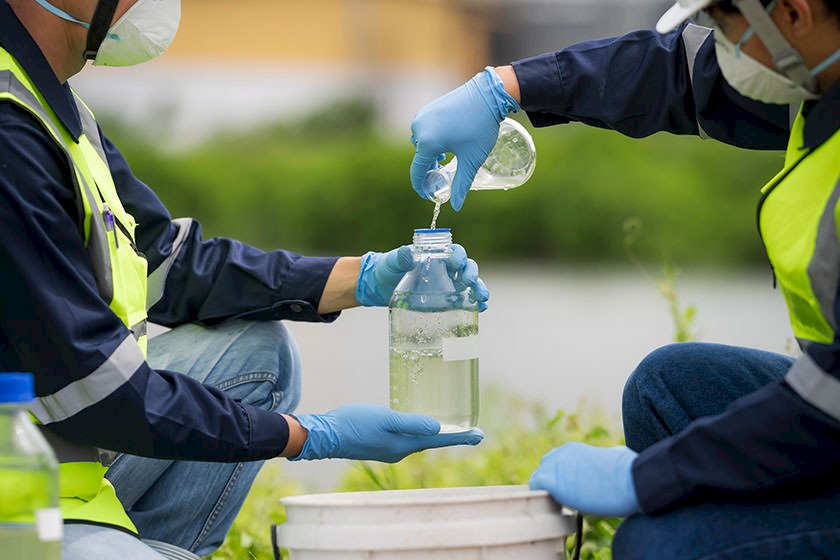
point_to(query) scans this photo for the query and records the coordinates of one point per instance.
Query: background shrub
(331, 185)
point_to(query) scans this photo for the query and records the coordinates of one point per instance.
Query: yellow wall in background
(376, 32)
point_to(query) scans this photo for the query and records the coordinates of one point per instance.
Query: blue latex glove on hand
(592, 480)
(377, 433)
(380, 273)
(464, 122)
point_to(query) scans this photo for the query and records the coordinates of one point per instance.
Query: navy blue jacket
(638, 84)
(54, 324)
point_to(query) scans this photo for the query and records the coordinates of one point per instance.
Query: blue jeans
(192, 504)
(675, 385)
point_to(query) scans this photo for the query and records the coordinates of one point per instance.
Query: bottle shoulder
(21, 438)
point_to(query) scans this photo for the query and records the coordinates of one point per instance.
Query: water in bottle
(30, 520)
(433, 339)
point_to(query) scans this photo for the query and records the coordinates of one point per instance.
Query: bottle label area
(50, 525)
(460, 348)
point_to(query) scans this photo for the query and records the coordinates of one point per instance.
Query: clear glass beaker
(510, 164)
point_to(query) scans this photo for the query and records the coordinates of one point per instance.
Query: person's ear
(794, 17)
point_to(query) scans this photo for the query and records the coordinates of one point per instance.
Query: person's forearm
(297, 437)
(636, 84)
(508, 76)
(340, 289)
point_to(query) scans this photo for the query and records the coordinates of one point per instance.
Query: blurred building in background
(522, 28)
(238, 64)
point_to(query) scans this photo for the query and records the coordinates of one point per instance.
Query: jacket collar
(822, 117)
(16, 40)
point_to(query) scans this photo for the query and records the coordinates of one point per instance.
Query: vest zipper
(124, 230)
(764, 195)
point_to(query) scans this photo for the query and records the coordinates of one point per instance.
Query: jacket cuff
(269, 434)
(309, 276)
(656, 480)
(541, 89)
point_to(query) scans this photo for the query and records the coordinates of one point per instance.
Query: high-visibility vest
(798, 220)
(119, 268)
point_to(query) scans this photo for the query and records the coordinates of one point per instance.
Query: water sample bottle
(30, 519)
(433, 339)
(510, 164)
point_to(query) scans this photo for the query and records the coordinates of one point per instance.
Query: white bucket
(467, 523)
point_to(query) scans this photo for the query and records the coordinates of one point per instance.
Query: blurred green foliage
(329, 184)
(249, 538)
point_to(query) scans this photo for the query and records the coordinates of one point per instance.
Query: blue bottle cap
(435, 230)
(16, 387)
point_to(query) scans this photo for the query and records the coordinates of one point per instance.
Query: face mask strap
(99, 25)
(826, 63)
(744, 38)
(751, 30)
(785, 58)
(60, 13)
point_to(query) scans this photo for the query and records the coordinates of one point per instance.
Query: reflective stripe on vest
(120, 273)
(798, 223)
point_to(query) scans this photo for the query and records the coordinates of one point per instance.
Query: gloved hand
(370, 432)
(381, 272)
(464, 122)
(593, 480)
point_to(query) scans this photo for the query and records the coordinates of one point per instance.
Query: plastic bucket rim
(415, 496)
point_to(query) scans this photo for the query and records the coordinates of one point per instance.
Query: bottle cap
(438, 239)
(16, 387)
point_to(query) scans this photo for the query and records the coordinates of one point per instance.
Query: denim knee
(678, 383)
(270, 368)
(290, 357)
(666, 364)
(256, 362)
(658, 396)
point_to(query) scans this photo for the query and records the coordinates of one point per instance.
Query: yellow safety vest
(798, 224)
(120, 271)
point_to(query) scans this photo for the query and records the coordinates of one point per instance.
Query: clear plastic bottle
(433, 339)
(510, 164)
(30, 519)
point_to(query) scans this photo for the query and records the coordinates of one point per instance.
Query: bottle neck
(12, 407)
(435, 243)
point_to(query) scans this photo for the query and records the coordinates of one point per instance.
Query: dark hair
(833, 7)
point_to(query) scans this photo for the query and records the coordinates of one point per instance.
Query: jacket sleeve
(775, 440)
(92, 382)
(207, 281)
(645, 82)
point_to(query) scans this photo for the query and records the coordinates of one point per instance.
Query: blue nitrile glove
(593, 480)
(464, 274)
(369, 432)
(380, 273)
(464, 122)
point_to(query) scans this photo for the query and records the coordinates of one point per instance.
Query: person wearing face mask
(731, 452)
(158, 440)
